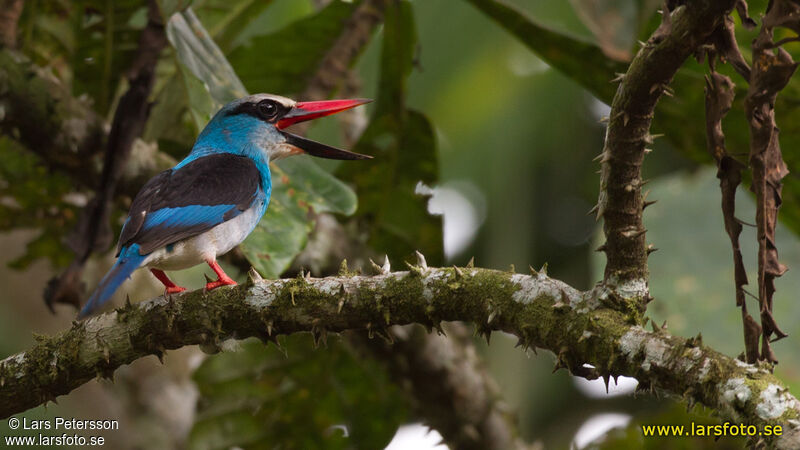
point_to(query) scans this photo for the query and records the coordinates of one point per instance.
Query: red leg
(172, 288)
(222, 278)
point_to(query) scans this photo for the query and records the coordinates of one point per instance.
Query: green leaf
(678, 118)
(404, 146)
(582, 61)
(106, 43)
(299, 185)
(260, 397)
(283, 62)
(35, 199)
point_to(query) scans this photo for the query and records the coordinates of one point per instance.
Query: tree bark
(579, 327)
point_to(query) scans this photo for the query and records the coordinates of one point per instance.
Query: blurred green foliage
(402, 141)
(294, 398)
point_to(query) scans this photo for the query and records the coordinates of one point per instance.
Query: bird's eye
(268, 109)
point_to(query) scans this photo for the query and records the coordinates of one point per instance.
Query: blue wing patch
(184, 216)
(180, 203)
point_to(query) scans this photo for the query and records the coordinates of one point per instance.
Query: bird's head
(257, 123)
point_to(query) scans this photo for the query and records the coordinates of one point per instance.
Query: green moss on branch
(577, 326)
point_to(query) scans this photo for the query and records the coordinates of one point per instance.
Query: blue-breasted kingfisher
(208, 203)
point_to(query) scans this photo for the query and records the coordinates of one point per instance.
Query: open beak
(303, 111)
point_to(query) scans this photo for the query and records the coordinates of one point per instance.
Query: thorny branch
(329, 76)
(620, 204)
(579, 327)
(772, 71)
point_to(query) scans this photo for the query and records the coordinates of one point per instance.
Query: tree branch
(41, 114)
(10, 10)
(93, 232)
(447, 385)
(577, 326)
(621, 203)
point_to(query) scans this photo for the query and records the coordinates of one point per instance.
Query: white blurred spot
(463, 206)
(522, 62)
(597, 388)
(334, 428)
(597, 426)
(599, 109)
(417, 437)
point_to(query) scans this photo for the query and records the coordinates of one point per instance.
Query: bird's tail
(128, 261)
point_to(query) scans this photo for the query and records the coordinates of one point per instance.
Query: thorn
(634, 233)
(343, 272)
(308, 275)
(269, 328)
(603, 119)
(625, 119)
(491, 317)
(599, 156)
(606, 379)
(647, 151)
(387, 268)
(512, 269)
(253, 276)
(341, 305)
(128, 304)
(416, 270)
(471, 263)
(654, 326)
(533, 271)
(651, 248)
(594, 210)
(602, 248)
(459, 272)
(543, 270)
(376, 267)
(619, 77)
(421, 261)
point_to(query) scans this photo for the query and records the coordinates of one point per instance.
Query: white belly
(206, 246)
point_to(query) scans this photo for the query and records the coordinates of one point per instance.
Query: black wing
(180, 203)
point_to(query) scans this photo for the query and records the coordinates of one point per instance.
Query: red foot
(171, 288)
(222, 278)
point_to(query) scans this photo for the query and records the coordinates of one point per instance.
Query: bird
(212, 200)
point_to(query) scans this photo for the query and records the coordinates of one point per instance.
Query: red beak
(303, 111)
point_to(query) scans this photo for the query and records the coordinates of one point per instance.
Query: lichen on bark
(579, 327)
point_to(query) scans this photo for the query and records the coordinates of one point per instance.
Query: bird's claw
(174, 290)
(221, 282)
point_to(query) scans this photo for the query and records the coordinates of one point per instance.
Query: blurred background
(492, 132)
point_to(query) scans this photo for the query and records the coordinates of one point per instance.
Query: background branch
(620, 203)
(93, 232)
(541, 311)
